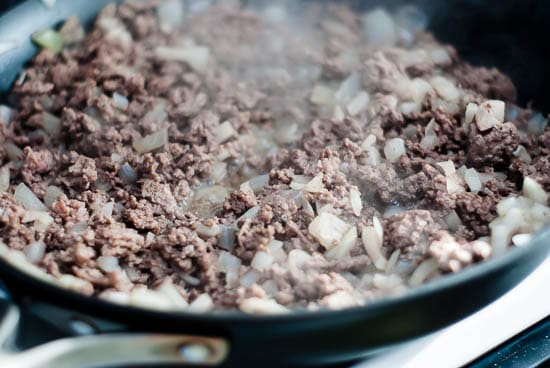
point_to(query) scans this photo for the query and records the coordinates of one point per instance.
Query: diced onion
(355, 201)
(328, 229)
(127, 173)
(35, 251)
(379, 28)
(208, 231)
(262, 306)
(168, 289)
(108, 263)
(315, 185)
(28, 199)
(229, 264)
(218, 172)
(358, 104)
(203, 303)
(445, 88)
(151, 142)
(4, 178)
(170, 14)
(471, 110)
(197, 57)
(430, 140)
(440, 56)
(258, 183)
(348, 89)
(489, 114)
(394, 149)
(13, 152)
(535, 191)
(51, 123)
(224, 132)
(249, 278)
(521, 152)
(344, 246)
(120, 101)
(5, 113)
(371, 243)
(322, 95)
(423, 271)
(48, 39)
(262, 261)
(471, 178)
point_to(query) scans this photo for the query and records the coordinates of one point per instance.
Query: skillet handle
(115, 349)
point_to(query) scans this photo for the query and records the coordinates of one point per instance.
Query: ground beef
(225, 181)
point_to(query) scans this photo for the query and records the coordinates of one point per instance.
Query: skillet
(130, 336)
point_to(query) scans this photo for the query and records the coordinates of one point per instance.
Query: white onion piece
(381, 281)
(371, 243)
(249, 278)
(106, 210)
(535, 191)
(368, 142)
(197, 57)
(127, 173)
(489, 114)
(151, 142)
(453, 221)
(430, 140)
(445, 88)
(440, 56)
(168, 289)
(13, 152)
(394, 149)
(358, 104)
(411, 18)
(261, 261)
(355, 201)
(322, 95)
(297, 258)
(471, 178)
(230, 265)
(120, 101)
(392, 261)
(38, 217)
(170, 14)
(328, 229)
(374, 158)
(218, 172)
(408, 108)
(521, 152)
(208, 231)
(379, 230)
(345, 246)
(286, 132)
(224, 132)
(203, 303)
(28, 199)
(35, 251)
(448, 167)
(51, 123)
(258, 183)
(423, 271)
(348, 89)
(521, 239)
(315, 185)
(379, 28)
(5, 112)
(536, 124)
(250, 214)
(270, 287)
(108, 263)
(227, 237)
(4, 179)
(256, 305)
(471, 110)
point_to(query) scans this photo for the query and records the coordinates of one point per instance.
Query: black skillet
(130, 335)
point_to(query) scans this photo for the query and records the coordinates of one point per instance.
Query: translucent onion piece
(328, 229)
(489, 114)
(108, 263)
(151, 142)
(28, 199)
(534, 191)
(197, 57)
(345, 246)
(35, 251)
(4, 179)
(472, 179)
(371, 243)
(51, 123)
(355, 201)
(13, 152)
(348, 89)
(471, 110)
(120, 101)
(224, 132)
(5, 112)
(358, 104)
(322, 95)
(128, 174)
(48, 39)
(256, 305)
(170, 14)
(229, 264)
(262, 261)
(379, 28)
(423, 271)
(394, 149)
(445, 88)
